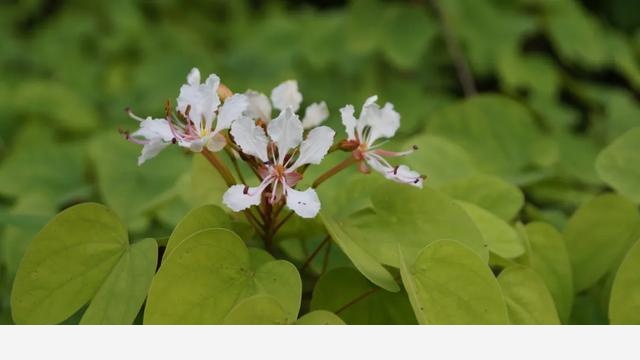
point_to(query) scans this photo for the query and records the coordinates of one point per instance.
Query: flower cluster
(209, 118)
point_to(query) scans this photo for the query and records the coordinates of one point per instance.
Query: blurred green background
(68, 68)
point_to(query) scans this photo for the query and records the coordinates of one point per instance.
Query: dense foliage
(529, 214)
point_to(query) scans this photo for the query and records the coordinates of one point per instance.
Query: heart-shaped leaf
(528, 300)
(82, 254)
(451, 284)
(209, 274)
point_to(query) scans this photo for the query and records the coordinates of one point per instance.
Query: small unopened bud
(224, 92)
(348, 145)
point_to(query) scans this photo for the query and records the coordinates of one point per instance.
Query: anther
(395, 170)
(415, 147)
(246, 190)
(167, 108)
(124, 133)
(187, 111)
(174, 141)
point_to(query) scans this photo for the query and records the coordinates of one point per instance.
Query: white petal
(202, 98)
(152, 129)
(215, 142)
(231, 110)
(196, 145)
(250, 137)
(315, 146)
(286, 131)
(259, 106)
(286, 95)
(304, 203)
(384, 122)
(314, 115)
(401, 174)
(349, 121)
(194, 77)
(239, 197)
(151, 149)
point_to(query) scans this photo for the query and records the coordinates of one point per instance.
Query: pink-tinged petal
(286, 95)
(349, 121)
(231, 110)
(314, 115)
(401, 174)
(304, 203)
(151, 149)
(315, 146)
(259, 106)
(241, 197)
(250, 137)
(285, 131)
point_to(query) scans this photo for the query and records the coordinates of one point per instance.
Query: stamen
(132, 115)
(124, 133)
(167, 108)
(245, 190)
(388, 153)
(395, 169)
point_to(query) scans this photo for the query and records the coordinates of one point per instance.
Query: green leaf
(358, 301)
(413, 218)
(548, 256)
(362, 260)
(440, 159)
(257, 310)
(528, 299)
(532, 71)
(408, 33)
(119, 298)
(487, 31)
(52, 170)
(29, 214)
(78, 256)
(624, 306)
(576, 35)
(207, 186)
(450, 284)
(577, 158)
(499, 236)
(54, 101)
(198, 219)
(488, 192)
(618, 165)
(132, 190)
(209, 273)
(259, 257)
(597, 236)
(498, 133)
(320, 317)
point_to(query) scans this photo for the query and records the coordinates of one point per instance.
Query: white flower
(282, 152)
(376, 123)
(285, 95)
(199, 106)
